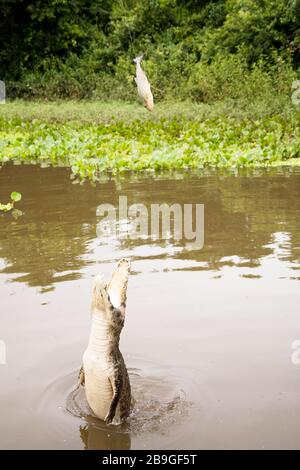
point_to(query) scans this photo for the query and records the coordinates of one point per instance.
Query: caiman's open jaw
(118, 285)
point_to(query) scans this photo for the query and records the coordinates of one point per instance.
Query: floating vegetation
(10, 206)
(92, 149)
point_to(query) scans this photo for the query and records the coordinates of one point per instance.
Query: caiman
(103, 373)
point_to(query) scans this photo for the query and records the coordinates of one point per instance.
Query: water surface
(208, 333)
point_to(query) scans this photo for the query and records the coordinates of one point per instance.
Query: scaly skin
(104, 373)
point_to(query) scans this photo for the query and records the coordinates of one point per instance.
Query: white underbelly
(98, 388)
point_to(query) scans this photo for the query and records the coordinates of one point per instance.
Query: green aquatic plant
(10, 206)
(197, 137)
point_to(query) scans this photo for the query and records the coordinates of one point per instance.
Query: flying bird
(143, 85)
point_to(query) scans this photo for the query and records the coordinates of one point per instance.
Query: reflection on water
(95, 438)
(94, 433)
(208, 332)
(246, 218)
(155, 410)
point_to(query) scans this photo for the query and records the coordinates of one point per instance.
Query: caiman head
(109, 300)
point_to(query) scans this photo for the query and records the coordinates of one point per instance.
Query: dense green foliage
(205, 50)
(170, 140)
(228, 64)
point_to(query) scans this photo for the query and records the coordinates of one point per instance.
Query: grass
(102, 112)
(94, 138)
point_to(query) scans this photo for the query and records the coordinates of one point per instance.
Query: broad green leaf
(15, 196)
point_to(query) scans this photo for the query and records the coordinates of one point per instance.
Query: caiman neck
(103, 337)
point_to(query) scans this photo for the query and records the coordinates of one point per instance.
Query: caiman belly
(98, 388)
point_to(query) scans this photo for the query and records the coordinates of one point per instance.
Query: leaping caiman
(103, 373)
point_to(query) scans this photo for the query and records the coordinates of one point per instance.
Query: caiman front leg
(81, 378)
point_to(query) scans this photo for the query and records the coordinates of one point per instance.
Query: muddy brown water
(208, 335)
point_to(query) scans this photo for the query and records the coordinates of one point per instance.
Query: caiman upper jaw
(118, 285)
